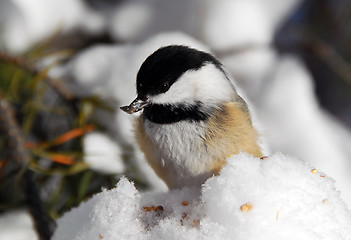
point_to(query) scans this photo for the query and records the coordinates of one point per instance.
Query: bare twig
(331, 58)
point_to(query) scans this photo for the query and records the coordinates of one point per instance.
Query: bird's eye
(164, 87)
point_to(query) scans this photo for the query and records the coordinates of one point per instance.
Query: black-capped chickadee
(192, 118)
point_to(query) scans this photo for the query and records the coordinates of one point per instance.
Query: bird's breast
(179, 153)
(179, 143)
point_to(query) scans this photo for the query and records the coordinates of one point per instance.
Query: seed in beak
(135, 106)
(128, 109)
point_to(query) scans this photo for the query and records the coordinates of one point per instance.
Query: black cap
(162, 68)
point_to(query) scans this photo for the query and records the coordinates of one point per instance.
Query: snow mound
(16, 225)
(102, 153)
(278, 197)
(241, 23)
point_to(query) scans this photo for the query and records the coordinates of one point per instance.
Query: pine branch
(9, 126)
(25, 65)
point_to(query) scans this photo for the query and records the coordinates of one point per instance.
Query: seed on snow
(246, 207)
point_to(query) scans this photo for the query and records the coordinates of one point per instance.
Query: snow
(16, 225)
(221, 24)
(136, 25)
(236, 24)
(279, 197)
(29, 22)
(278, 10)
(250, 68)
(150, 17)
(102, 153)
(298, 115)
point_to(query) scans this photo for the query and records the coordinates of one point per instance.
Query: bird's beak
(137, 105)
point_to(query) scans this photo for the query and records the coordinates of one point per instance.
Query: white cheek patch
(207, 84)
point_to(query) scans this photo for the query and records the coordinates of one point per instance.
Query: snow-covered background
(279, 86)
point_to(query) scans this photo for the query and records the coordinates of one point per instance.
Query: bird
(192, 118)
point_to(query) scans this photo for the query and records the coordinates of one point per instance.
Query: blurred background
(67, 65)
